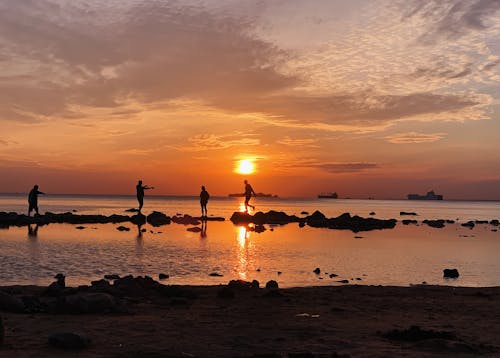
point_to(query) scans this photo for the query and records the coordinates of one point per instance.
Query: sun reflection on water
(243, 242)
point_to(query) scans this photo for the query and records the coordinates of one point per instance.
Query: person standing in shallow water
(248, 195)
(33, 200)
(140, 193)
(204, 196)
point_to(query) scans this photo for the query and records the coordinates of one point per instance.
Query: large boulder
(158, 219)
(438, 224)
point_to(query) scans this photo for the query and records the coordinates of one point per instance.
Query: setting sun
(245, 166)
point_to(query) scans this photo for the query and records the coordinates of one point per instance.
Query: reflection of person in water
(248, 195)
(140, 193)
(32, 231)
(203, 232)
(33, 200)
(204, 196)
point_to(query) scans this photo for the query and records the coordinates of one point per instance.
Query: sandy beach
(240, 321)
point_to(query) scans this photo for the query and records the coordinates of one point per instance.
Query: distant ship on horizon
(429, 196)
(333, 195)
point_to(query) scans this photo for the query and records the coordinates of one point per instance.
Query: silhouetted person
(248, 195)
(140, 193)
(204, 196)
(33, 200)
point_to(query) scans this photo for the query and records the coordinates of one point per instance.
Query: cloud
(297, 142)
(60, 57)
(452, 19)
(331, 167)
(414, 138)
(203, 142)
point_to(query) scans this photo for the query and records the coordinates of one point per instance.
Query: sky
(367, 98)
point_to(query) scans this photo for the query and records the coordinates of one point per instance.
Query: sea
(403, 256)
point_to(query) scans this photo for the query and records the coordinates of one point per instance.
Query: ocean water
(288, 254)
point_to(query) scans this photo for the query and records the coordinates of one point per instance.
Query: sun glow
(245, 166)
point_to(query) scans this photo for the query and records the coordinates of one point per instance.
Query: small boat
(328, 196)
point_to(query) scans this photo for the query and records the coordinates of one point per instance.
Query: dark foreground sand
(350, 322)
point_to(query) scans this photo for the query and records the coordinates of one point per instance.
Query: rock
(343, 281)
(186, 220)
(304, 213)
(438, 224)
(255, 284)
(194, 229)
(10, 303)
(272, 284)
(138, 219)
(372, 213)
(259, 228)
(123, 228)
(163, 276)
(448, 221)
(158, 219)
(101, 284)
(131, 210)
(409, 221)
(80, 227)
(332, 275)
(112, 277)
(316, 219)
(260, 218)
(279, 273)
(68, 340)
(469, 224)
(409, 213)
(450, 273)
(215, 274)
(494, 222)
(358, 237)
(302, 224)
(56, 288)
(317, 271)
(481, 221)
(239, 284)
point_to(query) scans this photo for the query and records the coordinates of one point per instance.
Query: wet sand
(350, 321)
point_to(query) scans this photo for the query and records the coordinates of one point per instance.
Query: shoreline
(141, 317)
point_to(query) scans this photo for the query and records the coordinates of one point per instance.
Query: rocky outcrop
(348, 222)
(272, 285)
(317, 219)
(435, 223)
(260, 218)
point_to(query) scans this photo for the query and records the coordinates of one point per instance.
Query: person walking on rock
(33, 200)
(248, 195)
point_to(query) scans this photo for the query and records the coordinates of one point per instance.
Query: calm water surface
(405, 255)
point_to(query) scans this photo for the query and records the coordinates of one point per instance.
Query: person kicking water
(248, 195)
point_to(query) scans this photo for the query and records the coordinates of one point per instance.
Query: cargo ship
(429, 196)
(328, 196)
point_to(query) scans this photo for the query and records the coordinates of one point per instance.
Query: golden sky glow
(366, 98)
